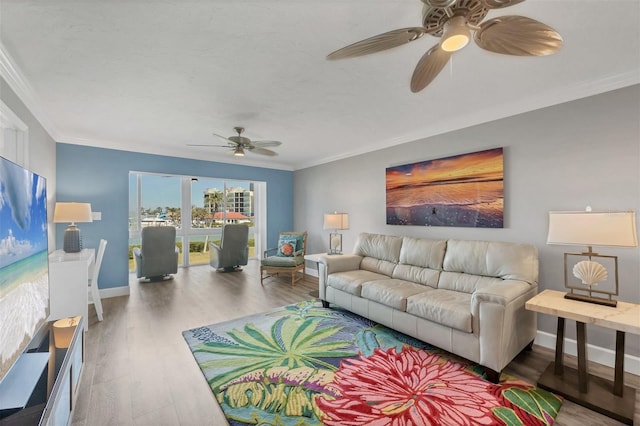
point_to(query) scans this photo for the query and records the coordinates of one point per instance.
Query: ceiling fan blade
(210, 146)
(498, 4)
(429, 67)
(262, 151)
(378, 43)
(441, 4)
(519, 36)
(241, 140)
(264, 144)
(220, 136)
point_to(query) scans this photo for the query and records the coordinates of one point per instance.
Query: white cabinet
(62, 400)
(68, 284)
(53, 400)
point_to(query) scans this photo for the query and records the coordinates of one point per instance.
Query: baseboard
(106, 293)
(595, 354)
(311, 271)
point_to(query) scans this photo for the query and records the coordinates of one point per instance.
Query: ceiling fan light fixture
(456, 34)
(238, 151)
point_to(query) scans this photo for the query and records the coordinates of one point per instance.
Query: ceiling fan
(454, 21)
(238, 144)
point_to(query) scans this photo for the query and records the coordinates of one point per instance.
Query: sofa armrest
(345, 262)
(501, 321)
(501, 293)
(331, 264)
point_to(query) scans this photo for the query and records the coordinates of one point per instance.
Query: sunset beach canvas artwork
(465, 190)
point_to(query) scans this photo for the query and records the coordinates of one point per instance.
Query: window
(14, 137)
(197, 206)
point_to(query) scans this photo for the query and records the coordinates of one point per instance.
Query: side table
(611, 399)
(317, 258)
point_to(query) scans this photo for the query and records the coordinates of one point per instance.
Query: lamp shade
(336, 221)
(63, 330)
(616, 229)
(72, 212)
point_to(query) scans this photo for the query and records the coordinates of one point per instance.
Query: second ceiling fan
(239, 144)
(454, 21)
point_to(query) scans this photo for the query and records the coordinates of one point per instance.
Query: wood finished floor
(139, 370)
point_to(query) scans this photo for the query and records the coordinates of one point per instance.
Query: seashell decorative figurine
(590, 272)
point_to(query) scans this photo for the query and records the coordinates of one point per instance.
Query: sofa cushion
(493, 259)
(446, 307)
(392, 293)
(383, 247)
(416, 274)
(351, 281)
(378, 266)
(423, 252)
(466, 283)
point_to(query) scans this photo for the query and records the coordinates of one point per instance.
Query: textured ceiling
(154, 76)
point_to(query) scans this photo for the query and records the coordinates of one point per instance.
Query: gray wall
(565, 157)
(42, 150)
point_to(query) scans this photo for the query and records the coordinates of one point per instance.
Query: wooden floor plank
(139, 370)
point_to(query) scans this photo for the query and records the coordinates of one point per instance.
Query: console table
(52, 398)
(611, 399)
(68, 283)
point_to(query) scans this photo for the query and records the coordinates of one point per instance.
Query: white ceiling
(156, 75)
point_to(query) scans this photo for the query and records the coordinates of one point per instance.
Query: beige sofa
(466, 297)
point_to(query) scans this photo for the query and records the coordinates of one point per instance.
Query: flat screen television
(24, 262)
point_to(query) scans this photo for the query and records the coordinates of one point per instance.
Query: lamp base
(335, 243)
(591, 299)
(72, 241)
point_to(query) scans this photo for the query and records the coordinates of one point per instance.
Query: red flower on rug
(412, 387)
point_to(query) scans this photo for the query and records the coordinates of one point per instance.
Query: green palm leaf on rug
(290, 342)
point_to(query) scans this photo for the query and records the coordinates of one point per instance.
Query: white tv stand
(53, 400)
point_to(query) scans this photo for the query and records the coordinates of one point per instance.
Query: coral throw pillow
(286, 247)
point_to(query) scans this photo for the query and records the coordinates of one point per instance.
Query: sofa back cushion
(423, 252)
(420, 260)
(381, 253)
(508, 261)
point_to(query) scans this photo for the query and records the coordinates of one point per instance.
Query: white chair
(94, 270)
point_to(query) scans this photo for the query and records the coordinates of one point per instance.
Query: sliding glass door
(197, 206)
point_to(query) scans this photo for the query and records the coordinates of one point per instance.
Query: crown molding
(178, 152)
(16, 80)
(578, 90)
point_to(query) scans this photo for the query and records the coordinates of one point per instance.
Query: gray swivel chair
(233, 250)
(157, 258)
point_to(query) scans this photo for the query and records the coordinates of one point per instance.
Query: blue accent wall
(101, 177)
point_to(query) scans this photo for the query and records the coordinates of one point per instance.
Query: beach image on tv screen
(24, 267)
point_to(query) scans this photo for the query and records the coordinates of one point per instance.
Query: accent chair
(233, 250)
(287, 258)
(157, 258)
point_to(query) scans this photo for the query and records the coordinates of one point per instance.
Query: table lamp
(336, 221)
(63, 330)
(72, 213)
(587, 228)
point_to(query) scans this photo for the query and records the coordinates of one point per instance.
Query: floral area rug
(306, 365)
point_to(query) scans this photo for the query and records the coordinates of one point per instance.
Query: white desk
(68, 283)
